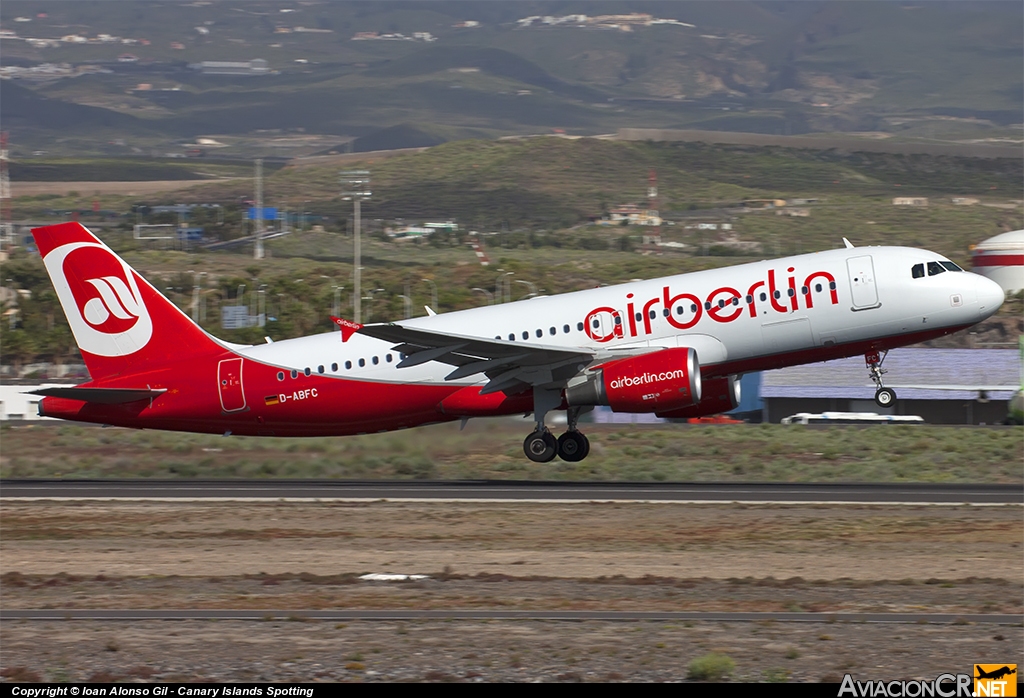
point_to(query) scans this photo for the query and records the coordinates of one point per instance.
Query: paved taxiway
(519, 491)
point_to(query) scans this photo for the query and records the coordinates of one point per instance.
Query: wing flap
(507, 365)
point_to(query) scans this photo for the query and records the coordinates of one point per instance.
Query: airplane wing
(510, 366)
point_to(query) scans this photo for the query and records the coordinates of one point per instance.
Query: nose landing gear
(884, 397)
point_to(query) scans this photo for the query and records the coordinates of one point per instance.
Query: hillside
(946, 71)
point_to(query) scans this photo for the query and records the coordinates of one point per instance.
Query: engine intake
(664, 380)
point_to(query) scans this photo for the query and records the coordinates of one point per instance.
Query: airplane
(673, 346)
(995, 673)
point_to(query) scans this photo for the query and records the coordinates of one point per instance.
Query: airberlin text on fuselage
(724, 304)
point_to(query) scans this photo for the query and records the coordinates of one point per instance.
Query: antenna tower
(6, 220)
(652, 206)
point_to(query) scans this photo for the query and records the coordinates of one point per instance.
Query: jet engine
(719, 395)
(661, 381)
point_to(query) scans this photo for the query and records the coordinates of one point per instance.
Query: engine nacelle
(719, 395)
(660, 381)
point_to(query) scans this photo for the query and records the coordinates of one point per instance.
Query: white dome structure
(1001, 258)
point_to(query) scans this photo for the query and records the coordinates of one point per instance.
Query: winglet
(348, 328)
(430, 311)
(848, 244)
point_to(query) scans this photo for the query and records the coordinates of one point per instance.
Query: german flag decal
(271, 400)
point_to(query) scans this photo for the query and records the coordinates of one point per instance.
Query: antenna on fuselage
(848, 244)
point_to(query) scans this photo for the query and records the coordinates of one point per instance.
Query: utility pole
(357, 184)
(258, 250)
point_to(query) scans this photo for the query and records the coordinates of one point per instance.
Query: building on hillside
(947, 386)
(910, 201)
(256, 66)
(630, 214)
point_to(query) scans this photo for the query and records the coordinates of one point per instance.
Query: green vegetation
(712, 667)
(619, 453)
(529, 200)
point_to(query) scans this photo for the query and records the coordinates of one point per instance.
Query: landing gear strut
(884, 397)
(541, 446)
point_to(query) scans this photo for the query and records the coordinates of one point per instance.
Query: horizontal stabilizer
(102, 396)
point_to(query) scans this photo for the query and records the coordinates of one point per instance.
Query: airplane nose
(990, 296)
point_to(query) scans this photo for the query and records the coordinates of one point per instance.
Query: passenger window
(750, 299)
(526, 335)
(679, 309)
(707, 305)
(652, 314)
(639, 317)
(334, 368)
(362, 362)
(320, 369)
(280, 375)
(736, 301)
(387, 358)
(817, 287)
(511, 338)
(565, 329)
(804, 290)
(790, 293)
(552, 331)
(348, 365)
(934, 268)
(597, 324)
(618, 320)
(832, 285)
(764, 296)
(951, 266)
(375, 360)
(777, 295)
(295, 374)
(693, 308)
(917, 271)
(579, 326)
(540, 333)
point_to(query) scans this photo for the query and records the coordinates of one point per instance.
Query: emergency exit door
(229, 381)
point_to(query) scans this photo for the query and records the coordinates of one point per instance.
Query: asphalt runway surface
(522, 491)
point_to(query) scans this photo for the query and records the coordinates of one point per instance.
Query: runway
(326, 490)
(520, 491)
(417, 614)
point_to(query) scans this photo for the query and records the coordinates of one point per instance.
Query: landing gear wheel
(573, 446)
(540, 446)
(884, 397)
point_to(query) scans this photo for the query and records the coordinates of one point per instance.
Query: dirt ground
(306, 555)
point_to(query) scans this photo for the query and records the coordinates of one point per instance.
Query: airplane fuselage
(750, 317)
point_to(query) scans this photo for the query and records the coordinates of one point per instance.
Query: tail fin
(120, 322)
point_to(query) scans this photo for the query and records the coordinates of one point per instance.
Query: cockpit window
(917, 271)
(951, 266)
(935, 268)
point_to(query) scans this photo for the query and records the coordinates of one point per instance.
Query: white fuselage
(765, 314)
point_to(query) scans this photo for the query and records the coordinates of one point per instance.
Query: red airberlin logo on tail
(101, 298)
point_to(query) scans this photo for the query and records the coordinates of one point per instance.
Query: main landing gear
(884, 397)
(541, 446)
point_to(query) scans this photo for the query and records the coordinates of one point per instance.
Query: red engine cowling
(719, 395)
(664, 380)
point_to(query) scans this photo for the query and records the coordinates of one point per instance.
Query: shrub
(711, 667)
